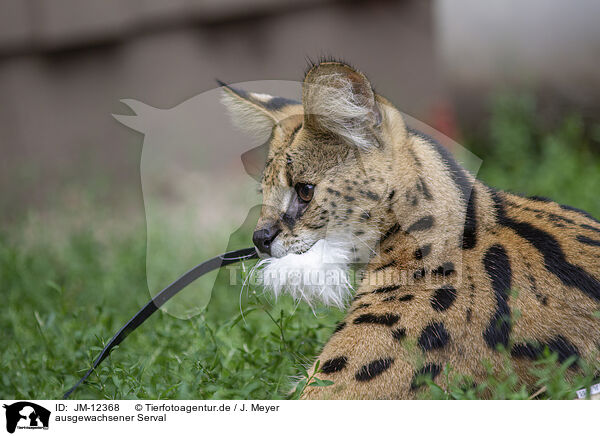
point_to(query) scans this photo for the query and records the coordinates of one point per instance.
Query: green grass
(63, 305)
(524, 154)
(63, 301)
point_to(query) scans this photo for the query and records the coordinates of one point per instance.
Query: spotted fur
(450, 261)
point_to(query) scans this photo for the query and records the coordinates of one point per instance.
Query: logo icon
(26, 415)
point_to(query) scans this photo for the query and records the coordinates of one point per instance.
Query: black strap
(162, 297)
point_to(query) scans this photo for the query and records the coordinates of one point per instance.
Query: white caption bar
(295, 417)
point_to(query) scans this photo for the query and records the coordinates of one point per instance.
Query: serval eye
(305, 191)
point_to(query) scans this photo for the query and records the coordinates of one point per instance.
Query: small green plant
(309, 380)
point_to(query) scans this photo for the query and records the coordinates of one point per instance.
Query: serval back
(457, 273)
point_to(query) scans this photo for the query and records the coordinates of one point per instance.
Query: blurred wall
(550, 46)
(64, 65)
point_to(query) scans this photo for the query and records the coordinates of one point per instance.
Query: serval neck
(434, 199)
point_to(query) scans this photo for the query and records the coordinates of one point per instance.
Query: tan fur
(394, 183)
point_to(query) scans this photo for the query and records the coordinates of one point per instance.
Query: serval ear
(340, 100)
(256, 113)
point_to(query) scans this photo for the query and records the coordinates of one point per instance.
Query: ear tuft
(340, 100)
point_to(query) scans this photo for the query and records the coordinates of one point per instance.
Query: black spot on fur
(372, 196)
(434, 336)
(419, 274)
(527, 350)
(365, 216)
(420, 253)
(388, 299)
(469, 239)
(429, 370)
(349, 198)
(580, 211)
(387, 265)
(533, 284)
(594, 229)
(373, 369)
(388, 319)
(407, 297)
(469, 314)
(422, 187)
(415, 158)
(559, 345)
(539, 198)
(334, 365)
(558, 218)
(363, 305)
(333, 191)
(339, 327)
(399, 334)
(497, 266)
(386, 289)
(391, 231)
(444, 270)
(554, 257)
(360, 295)
(565, 349)
(588, 241)
(391, 195)
(424, 223)
(443, 298)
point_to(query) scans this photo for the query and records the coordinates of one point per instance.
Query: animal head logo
(26, 415)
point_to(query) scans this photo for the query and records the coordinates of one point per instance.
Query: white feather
(319, 275)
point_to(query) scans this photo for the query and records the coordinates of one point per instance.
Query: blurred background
(514, 82)
(64, 65)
